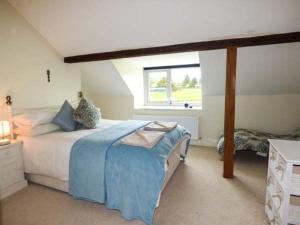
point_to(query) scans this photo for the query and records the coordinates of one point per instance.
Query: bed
(43, 157)
(252, 140)
(47, 161)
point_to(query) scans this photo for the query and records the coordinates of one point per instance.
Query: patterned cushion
(87, 114)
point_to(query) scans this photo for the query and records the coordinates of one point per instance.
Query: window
(173, 85)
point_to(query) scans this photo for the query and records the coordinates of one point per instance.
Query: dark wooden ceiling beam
(188, 47)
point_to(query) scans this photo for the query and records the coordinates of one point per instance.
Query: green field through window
(180, 95)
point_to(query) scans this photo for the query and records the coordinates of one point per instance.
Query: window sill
(177, 108)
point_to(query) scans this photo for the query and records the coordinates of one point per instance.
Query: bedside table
(11, 169)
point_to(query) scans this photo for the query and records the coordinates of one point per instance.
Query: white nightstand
(11, 169)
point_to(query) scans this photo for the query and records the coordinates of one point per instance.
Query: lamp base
(4, 142)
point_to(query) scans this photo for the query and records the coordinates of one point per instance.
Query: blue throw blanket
(126, 178)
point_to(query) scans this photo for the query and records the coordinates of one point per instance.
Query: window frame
(167, 69)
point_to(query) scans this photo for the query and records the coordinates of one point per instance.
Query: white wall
(270, 113)
(132, 74)
(102, 78)
(102, 83)
(114, 107)
(24, 58)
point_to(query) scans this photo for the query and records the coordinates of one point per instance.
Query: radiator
(191, 123)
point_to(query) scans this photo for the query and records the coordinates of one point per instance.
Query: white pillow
(37, 130)
(34, 118)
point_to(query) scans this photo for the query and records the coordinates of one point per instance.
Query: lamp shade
(4, 128)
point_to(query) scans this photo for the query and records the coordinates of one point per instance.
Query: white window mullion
(169, 87)
(146, 87)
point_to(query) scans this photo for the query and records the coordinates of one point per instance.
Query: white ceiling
(86, 26)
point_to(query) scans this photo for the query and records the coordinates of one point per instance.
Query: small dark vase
(186, 105)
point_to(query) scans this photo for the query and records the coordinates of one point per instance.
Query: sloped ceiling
(261, 70)
(102, 78)
(80, 27)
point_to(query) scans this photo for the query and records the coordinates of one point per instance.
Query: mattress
(252, 140)
(48, 155)
(171, 165)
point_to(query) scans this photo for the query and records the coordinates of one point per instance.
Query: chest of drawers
(283, 183)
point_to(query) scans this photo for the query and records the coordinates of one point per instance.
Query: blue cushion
(64, 118)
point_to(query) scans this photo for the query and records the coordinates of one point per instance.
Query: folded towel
(141, 138)
(160, 126)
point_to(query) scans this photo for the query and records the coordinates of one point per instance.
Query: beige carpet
(196, 195)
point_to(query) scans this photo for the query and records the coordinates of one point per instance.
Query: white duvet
(49, 154)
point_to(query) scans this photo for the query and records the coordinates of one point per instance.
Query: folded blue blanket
(127, 178)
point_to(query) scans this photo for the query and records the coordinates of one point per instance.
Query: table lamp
(4, 131)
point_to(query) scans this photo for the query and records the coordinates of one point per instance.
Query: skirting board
(204, 142)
